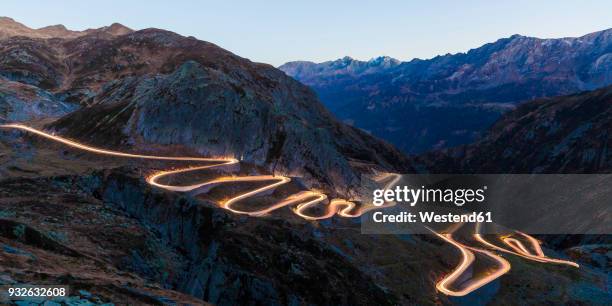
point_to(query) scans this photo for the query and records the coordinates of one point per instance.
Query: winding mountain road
(453, 284)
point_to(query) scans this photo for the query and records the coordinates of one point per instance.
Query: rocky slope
(113, 239)
(223, 105)
(568, 134)
(449, 100)
(153, 87)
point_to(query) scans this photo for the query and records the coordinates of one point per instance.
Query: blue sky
(279, 31)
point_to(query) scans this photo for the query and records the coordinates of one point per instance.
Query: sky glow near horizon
(276, 32)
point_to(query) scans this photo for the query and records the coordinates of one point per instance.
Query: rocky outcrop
(21, 102)
(70, 238)
(450, 100)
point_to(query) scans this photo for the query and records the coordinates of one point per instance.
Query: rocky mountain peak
(385, 61)
(115, 29)
(10, 27)
(57, 27)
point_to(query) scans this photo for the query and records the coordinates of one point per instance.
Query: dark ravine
(452, 99)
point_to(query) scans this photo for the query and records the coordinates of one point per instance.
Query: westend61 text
(431, 217)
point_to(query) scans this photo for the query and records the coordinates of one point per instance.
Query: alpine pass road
(454, 284)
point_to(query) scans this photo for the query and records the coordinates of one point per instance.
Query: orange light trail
(305, 200)
(312, 198)
(519, 249)
(467, 260)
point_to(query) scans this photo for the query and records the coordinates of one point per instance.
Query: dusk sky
(279, 31)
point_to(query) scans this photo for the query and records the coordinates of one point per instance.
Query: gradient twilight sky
(279, 31)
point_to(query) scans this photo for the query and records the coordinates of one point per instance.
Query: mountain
(568, 134)
(95, 223)
(154, 87)
(310, 72)
(11, 28)
(114, 238)
(449, 100)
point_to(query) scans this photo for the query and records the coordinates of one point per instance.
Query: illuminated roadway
(304, 200)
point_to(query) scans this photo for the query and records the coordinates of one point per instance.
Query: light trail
(467, 259)
(519, 249)
(305, 200)
(91, 149)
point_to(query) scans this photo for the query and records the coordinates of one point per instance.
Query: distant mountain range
(450, 100)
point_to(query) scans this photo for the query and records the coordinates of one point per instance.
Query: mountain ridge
(11, 28)
(348, 58)
(415, 104)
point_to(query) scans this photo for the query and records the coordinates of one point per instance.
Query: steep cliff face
(449, 100)
(569, 134)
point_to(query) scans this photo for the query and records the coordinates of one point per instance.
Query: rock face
(22, 102)
(449, 100)
(569, 134)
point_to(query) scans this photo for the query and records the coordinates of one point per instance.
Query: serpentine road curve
(452, 284)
